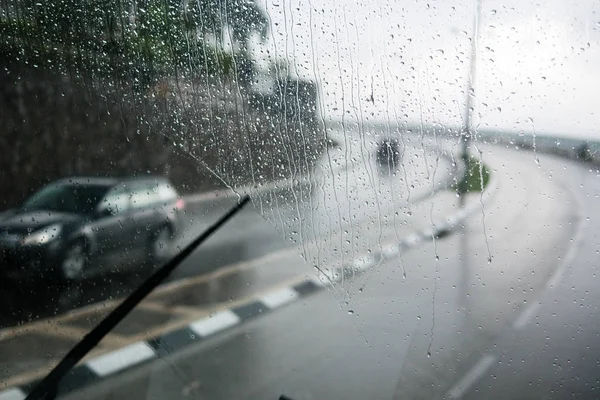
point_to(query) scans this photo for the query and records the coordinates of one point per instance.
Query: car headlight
(43, 235)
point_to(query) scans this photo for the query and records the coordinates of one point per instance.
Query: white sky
(538, 62)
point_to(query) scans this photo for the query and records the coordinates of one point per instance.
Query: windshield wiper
(47, 389)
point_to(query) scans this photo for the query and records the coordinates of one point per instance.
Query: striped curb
(142, 352)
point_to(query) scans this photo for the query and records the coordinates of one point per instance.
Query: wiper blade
(47, 389)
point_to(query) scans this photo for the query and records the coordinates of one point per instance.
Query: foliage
(131, 40)
(126, 87)
(475, 179)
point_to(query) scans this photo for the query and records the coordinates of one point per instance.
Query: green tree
(139, 41)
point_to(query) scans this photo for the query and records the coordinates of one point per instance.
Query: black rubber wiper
(47, 389)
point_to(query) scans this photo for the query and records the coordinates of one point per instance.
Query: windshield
(71, 198)
(423, 180)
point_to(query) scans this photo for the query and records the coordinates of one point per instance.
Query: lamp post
(467, 130)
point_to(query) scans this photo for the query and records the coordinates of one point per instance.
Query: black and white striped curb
(142, 352)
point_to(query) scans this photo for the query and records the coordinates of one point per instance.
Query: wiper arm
(47, 389)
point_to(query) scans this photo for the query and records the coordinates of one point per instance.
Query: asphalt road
(326, 220)
(347, 183)
(553, 351)
(416, 326)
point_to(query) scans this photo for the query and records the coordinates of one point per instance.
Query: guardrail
(576, 149)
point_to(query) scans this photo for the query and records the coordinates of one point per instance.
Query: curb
(257, 188)
(290, 182)
(142, 352)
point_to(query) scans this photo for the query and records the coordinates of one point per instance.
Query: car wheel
(74, 261)
(160, 245)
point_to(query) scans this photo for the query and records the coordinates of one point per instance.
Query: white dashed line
(279, 298)
(390, 250)
(363, 262)
(324, 278)
(412, 240)
(136, 353)
(117, 360)
(571, 253)
(467, 381)
(452, 221)
(526, 315)
(218, 322)
(320, 282)
(472, 376)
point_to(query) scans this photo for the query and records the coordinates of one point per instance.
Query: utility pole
(466, 134)
(467, 131)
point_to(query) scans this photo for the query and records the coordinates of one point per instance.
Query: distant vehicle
(388, 152)
(65, 230)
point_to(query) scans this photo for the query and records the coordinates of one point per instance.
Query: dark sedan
(78, 227)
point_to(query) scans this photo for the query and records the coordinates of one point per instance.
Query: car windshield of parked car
(69, 198)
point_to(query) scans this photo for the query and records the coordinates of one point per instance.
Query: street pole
(466, 136)
(467, 131)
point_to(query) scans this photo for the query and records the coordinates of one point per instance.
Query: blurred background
(423, 178)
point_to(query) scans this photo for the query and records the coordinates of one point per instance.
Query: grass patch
(476, 178)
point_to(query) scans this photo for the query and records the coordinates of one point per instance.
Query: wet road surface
(415, 325)
(265, 246)
(349, 183)
(553, 349)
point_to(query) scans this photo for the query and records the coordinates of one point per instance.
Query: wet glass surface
(423, 179)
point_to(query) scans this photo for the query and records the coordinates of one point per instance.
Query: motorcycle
(388, 153)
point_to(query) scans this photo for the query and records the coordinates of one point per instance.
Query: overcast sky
(408, 61)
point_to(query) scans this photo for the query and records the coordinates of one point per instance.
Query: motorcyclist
(388, 152)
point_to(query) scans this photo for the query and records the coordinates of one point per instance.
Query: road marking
(452, 221)
(569, 257)
(218, 322)
(575, 243)
(109, 305)
(31, 375)
(463, 214)
(390, 250)
(364, 262)
(279, 297)
(12, 394)
(77, 333)
(324, 278)
(526, 315)
(471, 377)
(124, 357)
(222, 272)
(204, 326)
(412, 240)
